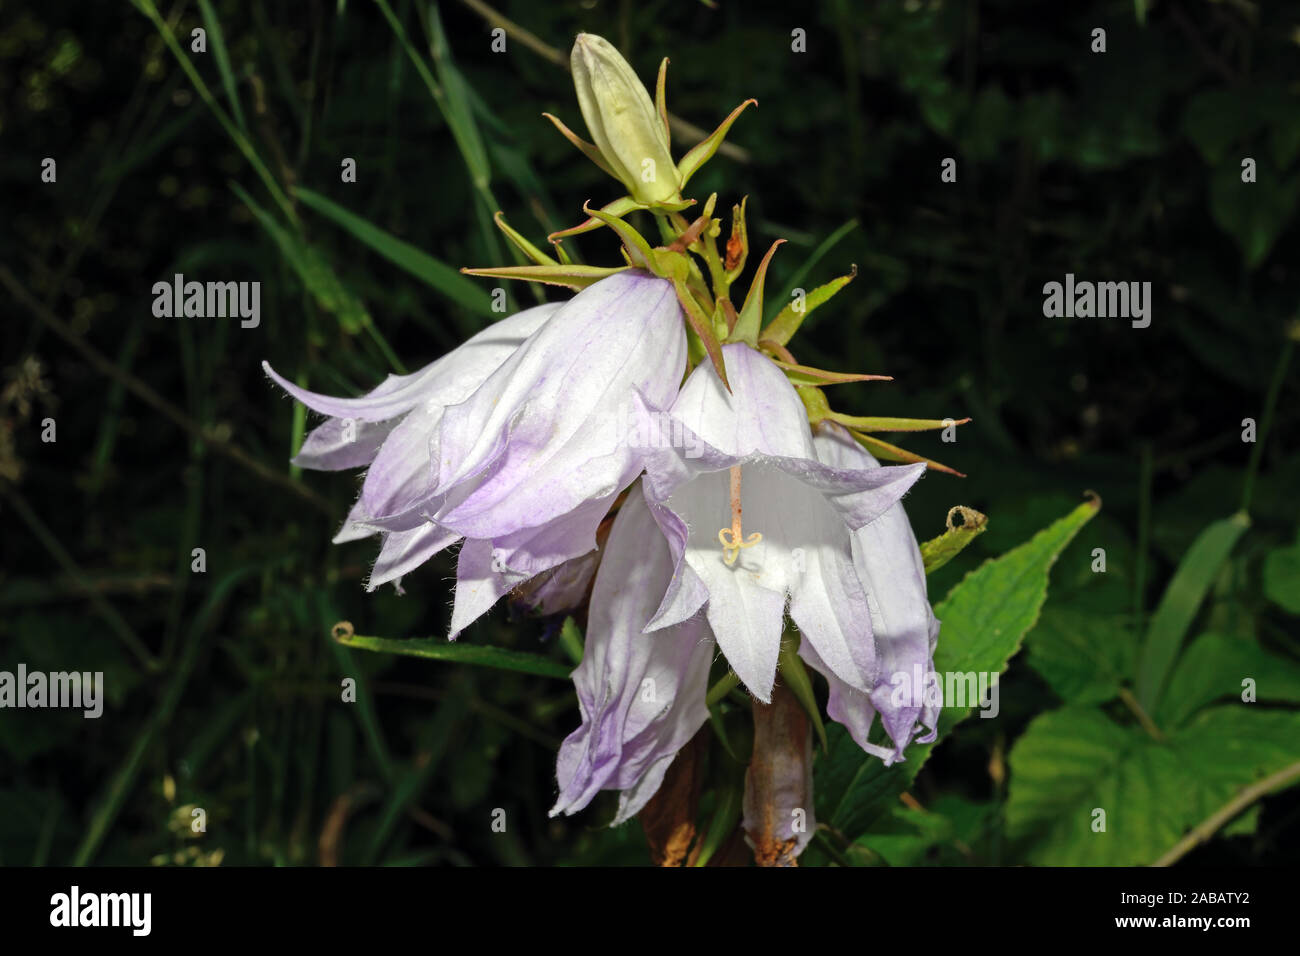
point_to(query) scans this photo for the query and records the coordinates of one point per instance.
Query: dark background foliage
(224, 686)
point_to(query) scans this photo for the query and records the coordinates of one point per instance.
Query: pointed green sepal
(619, 207)
(939, 551)
(869, 424)
(883, 449)
(638, 249)
(588, 149)
(805, 375)
(782, 328)
(661, 99)
(704, 150)
(522, 244)
(702, 325)
(800, 684)
(751, 313)
(815, 404)
(570, 276)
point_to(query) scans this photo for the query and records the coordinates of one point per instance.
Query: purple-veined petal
(641, 695)
(847, 706)
(337, 444)
(905, 630)
(353, 528)
(542, 435)
(489, 568)
(804, 510)
(447, 380)
(404, 551)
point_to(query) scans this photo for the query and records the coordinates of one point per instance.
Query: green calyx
(632, 142)
(632, 136)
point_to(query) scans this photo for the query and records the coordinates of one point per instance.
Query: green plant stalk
(241, 141)
(120, 786)
(1265, 423)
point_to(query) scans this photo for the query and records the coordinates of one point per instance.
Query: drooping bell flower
(642, 696)
(388, 430)
(754, 517)
(528, 466)
(904, 628)
(525, 463)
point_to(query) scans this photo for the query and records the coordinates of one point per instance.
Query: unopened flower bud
(622, 120)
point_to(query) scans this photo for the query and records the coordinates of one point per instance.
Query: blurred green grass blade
(312, 268)
(1180, 603)
(423, 266)
(412, 782)
(457, 108)
(140, 152)
(725, 817)
(119, 788)
(222, 58)
(439, 649)
(800, 684)
(456, 115)
(367, 716)
(242, 141)
(571, 640)
(299, 429)
(322, 282)
(459, 113)
(829, 243)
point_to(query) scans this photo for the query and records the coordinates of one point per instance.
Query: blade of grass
(449, 97)
(438, 649)
(116, 623)
(1182, 599)
(1266, 420)
(150, 397)
(241, 141)
(123, 780)
(412, 782)
(438, 275)
(801, 275)
(218, 41)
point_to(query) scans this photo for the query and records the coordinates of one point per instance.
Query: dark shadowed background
(223, 687)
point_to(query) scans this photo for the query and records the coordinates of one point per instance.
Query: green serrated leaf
(1282, 578)
(984, 618)
(1073, 762)
(1085, 656)
(1213, 668)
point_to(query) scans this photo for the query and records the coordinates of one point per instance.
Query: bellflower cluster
(649, 452)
